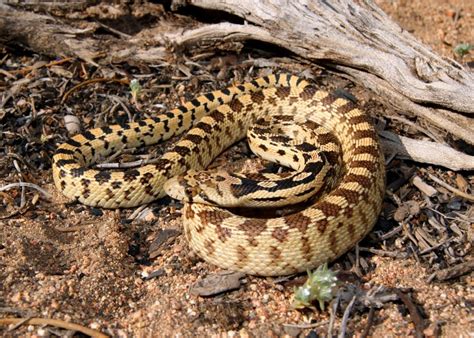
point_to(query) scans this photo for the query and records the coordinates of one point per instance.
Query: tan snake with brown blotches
(327, 227)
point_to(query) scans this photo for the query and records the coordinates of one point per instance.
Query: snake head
(191, 187)
(178, 188)
(204, 187)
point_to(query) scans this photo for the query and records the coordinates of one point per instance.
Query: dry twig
(414, 313)
(345, 317)
(455, 271)
(53, 322)
(452, 189)
(46, 194)
(88, 82)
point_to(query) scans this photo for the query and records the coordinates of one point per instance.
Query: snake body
(324, 230)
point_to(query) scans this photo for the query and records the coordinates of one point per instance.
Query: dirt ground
(130, 272)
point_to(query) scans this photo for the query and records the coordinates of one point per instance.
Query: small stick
(452, 189)
(416, 127)
(391, 233)
(370, 322)
(455, 271)
(27, 69)
(332, 312)
(345, 318)
(87, 82)
(54, 322)
(414, 312)
(307, 326)
(28, 185)
(452, 218)
(113, 30)
(385, 253)
(23, 193)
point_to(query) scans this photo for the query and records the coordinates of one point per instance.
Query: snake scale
(325, 229)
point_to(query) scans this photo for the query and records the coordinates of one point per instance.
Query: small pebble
(96, 212)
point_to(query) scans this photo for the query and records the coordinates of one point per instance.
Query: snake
(340, 210)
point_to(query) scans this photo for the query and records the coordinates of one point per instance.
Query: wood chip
(61, 71)
(408, 208)
(154, 274)
(163, 239)
(72, 124)
(425, 188)
(216, 284)
(455, 271)
(461, 183)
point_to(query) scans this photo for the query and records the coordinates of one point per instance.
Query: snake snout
(175, 189)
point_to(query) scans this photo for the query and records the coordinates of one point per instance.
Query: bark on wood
(48, 36)
(44, 35)
(359, 36)
(426, 152)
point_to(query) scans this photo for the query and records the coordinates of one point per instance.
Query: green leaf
(463, 48)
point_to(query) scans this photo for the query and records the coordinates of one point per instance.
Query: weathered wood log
(358, 39)
(44, 35)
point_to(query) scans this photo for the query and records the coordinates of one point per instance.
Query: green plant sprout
(135, 89)
(463, 49)
(319, 286)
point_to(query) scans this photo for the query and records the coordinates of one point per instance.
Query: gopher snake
(323, 231)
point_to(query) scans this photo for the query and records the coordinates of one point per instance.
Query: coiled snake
(345, 211)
